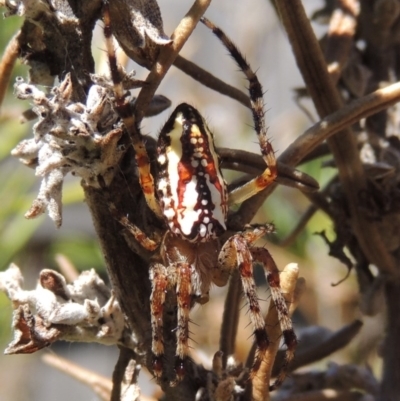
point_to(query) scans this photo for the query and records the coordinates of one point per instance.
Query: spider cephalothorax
(191, 196)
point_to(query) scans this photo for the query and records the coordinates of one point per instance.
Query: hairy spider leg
(126, 112)
(184, 297)
(259, 183)
(159, 279)
(262, 256)
(138, 234)
(238, 252)
(176, 275)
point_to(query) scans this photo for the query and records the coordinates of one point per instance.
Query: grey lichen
(70, 137)
(84, 311)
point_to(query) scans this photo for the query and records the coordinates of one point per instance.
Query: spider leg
(126, 112)
(262, 256)
(138, 234)
(236, 254)
(184, 297)
(159, 279)
(162, 279)
(256, 185)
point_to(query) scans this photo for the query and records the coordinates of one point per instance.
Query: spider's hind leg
(239, 253)
(262, 256)
(177, 275)
(159, 280)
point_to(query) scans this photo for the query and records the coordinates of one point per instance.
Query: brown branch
(334, 123)
(210, 81)
(319, 202)
(333, 343)
(251, 163)
(7, 64)
(325, 395)
(318, 133)
(390, 349)
(326, 99)
(230, 318)
(124, 379)
(66, 267)
(168, 54)
(100, 384)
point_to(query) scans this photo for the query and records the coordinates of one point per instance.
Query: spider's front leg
(177, 275)
(239, 253)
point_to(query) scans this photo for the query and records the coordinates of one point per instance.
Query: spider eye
(191, 187)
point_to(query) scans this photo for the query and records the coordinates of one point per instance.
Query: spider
(191, 196)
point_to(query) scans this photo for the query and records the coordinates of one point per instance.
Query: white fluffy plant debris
(84, 311)
(70, 137)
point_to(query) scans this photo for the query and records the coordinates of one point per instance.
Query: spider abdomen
(191, 188)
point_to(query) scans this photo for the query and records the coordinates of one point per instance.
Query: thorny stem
(168, 54)
(326, 98)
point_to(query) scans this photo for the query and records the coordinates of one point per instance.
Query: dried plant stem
(66, 267)
(251, 163)
(358, 109)
(312, 138)
(333, 343)
(326, 98)
(326, 395)
(101, 385)
(390, 388)
(318, 202)
(292, 288)
(125, 375)
(168, 55)
(7, 64)
(210, 81)
(230, 318)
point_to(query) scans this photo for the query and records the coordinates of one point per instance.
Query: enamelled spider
(190, 195)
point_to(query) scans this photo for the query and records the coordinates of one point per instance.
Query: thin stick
(230, 319)
(168, 54)
(327, 99)
(7, 64)
(100, 384)
(210, 81)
